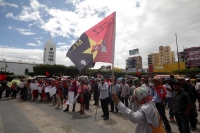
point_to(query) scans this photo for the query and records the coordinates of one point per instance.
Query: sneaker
(172, 120)
(60, 107)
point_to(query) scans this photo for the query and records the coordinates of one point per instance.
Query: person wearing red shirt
(14, 90)
(81, 91)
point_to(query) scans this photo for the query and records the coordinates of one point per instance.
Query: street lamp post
(177, 52)
(5, 66)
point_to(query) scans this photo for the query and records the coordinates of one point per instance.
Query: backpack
(160, 128)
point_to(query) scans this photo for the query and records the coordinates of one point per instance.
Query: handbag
(160, 128)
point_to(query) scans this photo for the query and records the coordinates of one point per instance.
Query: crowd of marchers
(142, 101)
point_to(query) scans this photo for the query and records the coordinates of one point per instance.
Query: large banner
(70, 98)
(192, 57)
(33, 86)
(134, 51)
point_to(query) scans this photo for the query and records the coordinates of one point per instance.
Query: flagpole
(113, 58)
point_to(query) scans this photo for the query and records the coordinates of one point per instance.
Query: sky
(25, 26)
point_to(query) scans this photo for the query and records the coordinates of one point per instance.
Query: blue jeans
(169, 102)
(182, 122)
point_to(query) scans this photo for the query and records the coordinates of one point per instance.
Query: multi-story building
(166, 55)
(134, 63)
(49, 56)
(181, 56)
(192, 57)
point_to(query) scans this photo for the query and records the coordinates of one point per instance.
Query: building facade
(18, 68)
(181, 56)
(49, 56)
(192, 57)
(134, 63)
(166, 55)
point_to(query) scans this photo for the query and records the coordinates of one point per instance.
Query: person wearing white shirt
(197, 87)
(146, 86)
(104, 97)
(169, 98)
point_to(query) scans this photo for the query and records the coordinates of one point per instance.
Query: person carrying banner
(72, 87)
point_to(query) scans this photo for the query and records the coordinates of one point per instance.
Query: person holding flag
(96, 45)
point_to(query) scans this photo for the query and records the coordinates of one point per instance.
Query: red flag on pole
(138, 72)
(47, 74)
(95, 45)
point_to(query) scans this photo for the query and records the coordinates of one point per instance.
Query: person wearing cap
(104, 97)
(182, 107)
(188, 89)
(159, 95)
(125, 92)
(169, 98)
(146, 117)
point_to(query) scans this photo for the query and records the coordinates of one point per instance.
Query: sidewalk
(17, 116)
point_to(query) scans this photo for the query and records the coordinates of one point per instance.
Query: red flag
(138, 72)
(95, 45)
(47, 74)
(3, 77)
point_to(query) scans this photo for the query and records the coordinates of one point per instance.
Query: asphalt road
(17, 116)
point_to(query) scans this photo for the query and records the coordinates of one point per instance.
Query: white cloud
(10, 15)
(30, 55)
(32, 44)
(38, 38)
(30, 25)
(3, 3)
(146, 28)
(34, 57)
(9, 27)
(25, 31)
(61, 43)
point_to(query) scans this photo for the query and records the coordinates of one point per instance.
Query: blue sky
(25, 33)
(26, 24)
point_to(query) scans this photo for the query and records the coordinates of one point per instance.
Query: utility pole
(177, 52)
(5, 66)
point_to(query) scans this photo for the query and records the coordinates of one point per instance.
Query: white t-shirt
(169, 94)
(197, 87)
(104, 91)
(21, 85)
(146, 87)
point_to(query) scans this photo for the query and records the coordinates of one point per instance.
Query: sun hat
(156, 79)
